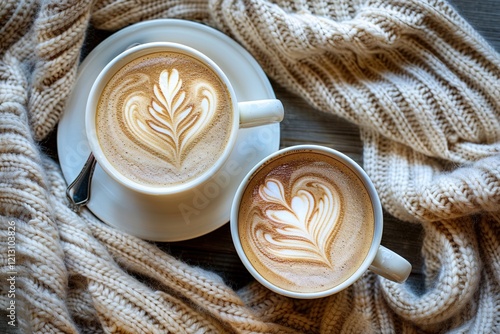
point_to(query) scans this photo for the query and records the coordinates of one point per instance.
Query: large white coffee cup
(307, 223)
(184, 119)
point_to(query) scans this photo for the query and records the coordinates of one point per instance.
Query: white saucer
(207, 207)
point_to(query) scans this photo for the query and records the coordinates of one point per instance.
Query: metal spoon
(78, 192)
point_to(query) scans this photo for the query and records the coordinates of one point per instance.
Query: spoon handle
(78, 192)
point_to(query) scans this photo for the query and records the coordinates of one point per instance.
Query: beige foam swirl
(172, 121)
(303, 225)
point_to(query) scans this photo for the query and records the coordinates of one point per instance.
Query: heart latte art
(305, 222)
(164, 119)
(302, 226)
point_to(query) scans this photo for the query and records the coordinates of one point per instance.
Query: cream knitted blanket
(419, 81)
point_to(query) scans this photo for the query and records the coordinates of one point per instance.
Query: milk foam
(164, 119)
(306, 222)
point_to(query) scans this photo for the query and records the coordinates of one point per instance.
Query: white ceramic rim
(377, 211)
(108, 71)
(112, 202)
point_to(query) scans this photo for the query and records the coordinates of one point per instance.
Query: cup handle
(260, 112)
(390, 265)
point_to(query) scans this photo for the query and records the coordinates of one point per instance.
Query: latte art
(172, 122)
(305, 221)
(164, 119)
(302, 227)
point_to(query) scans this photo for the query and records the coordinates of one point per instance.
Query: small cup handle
(390, 265)
(260, 112)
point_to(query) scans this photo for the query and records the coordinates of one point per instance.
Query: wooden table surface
(302, 125)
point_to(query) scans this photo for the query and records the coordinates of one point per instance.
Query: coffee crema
(305, 221)
(164, 119)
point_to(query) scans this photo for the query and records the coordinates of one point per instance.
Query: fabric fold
(420, 82)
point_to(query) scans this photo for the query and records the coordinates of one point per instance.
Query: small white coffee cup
(378, 259)
(245, 114)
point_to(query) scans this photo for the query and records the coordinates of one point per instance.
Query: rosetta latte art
(303, 226)
(171, 122)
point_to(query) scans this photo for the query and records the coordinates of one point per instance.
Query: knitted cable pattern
(419, 81)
